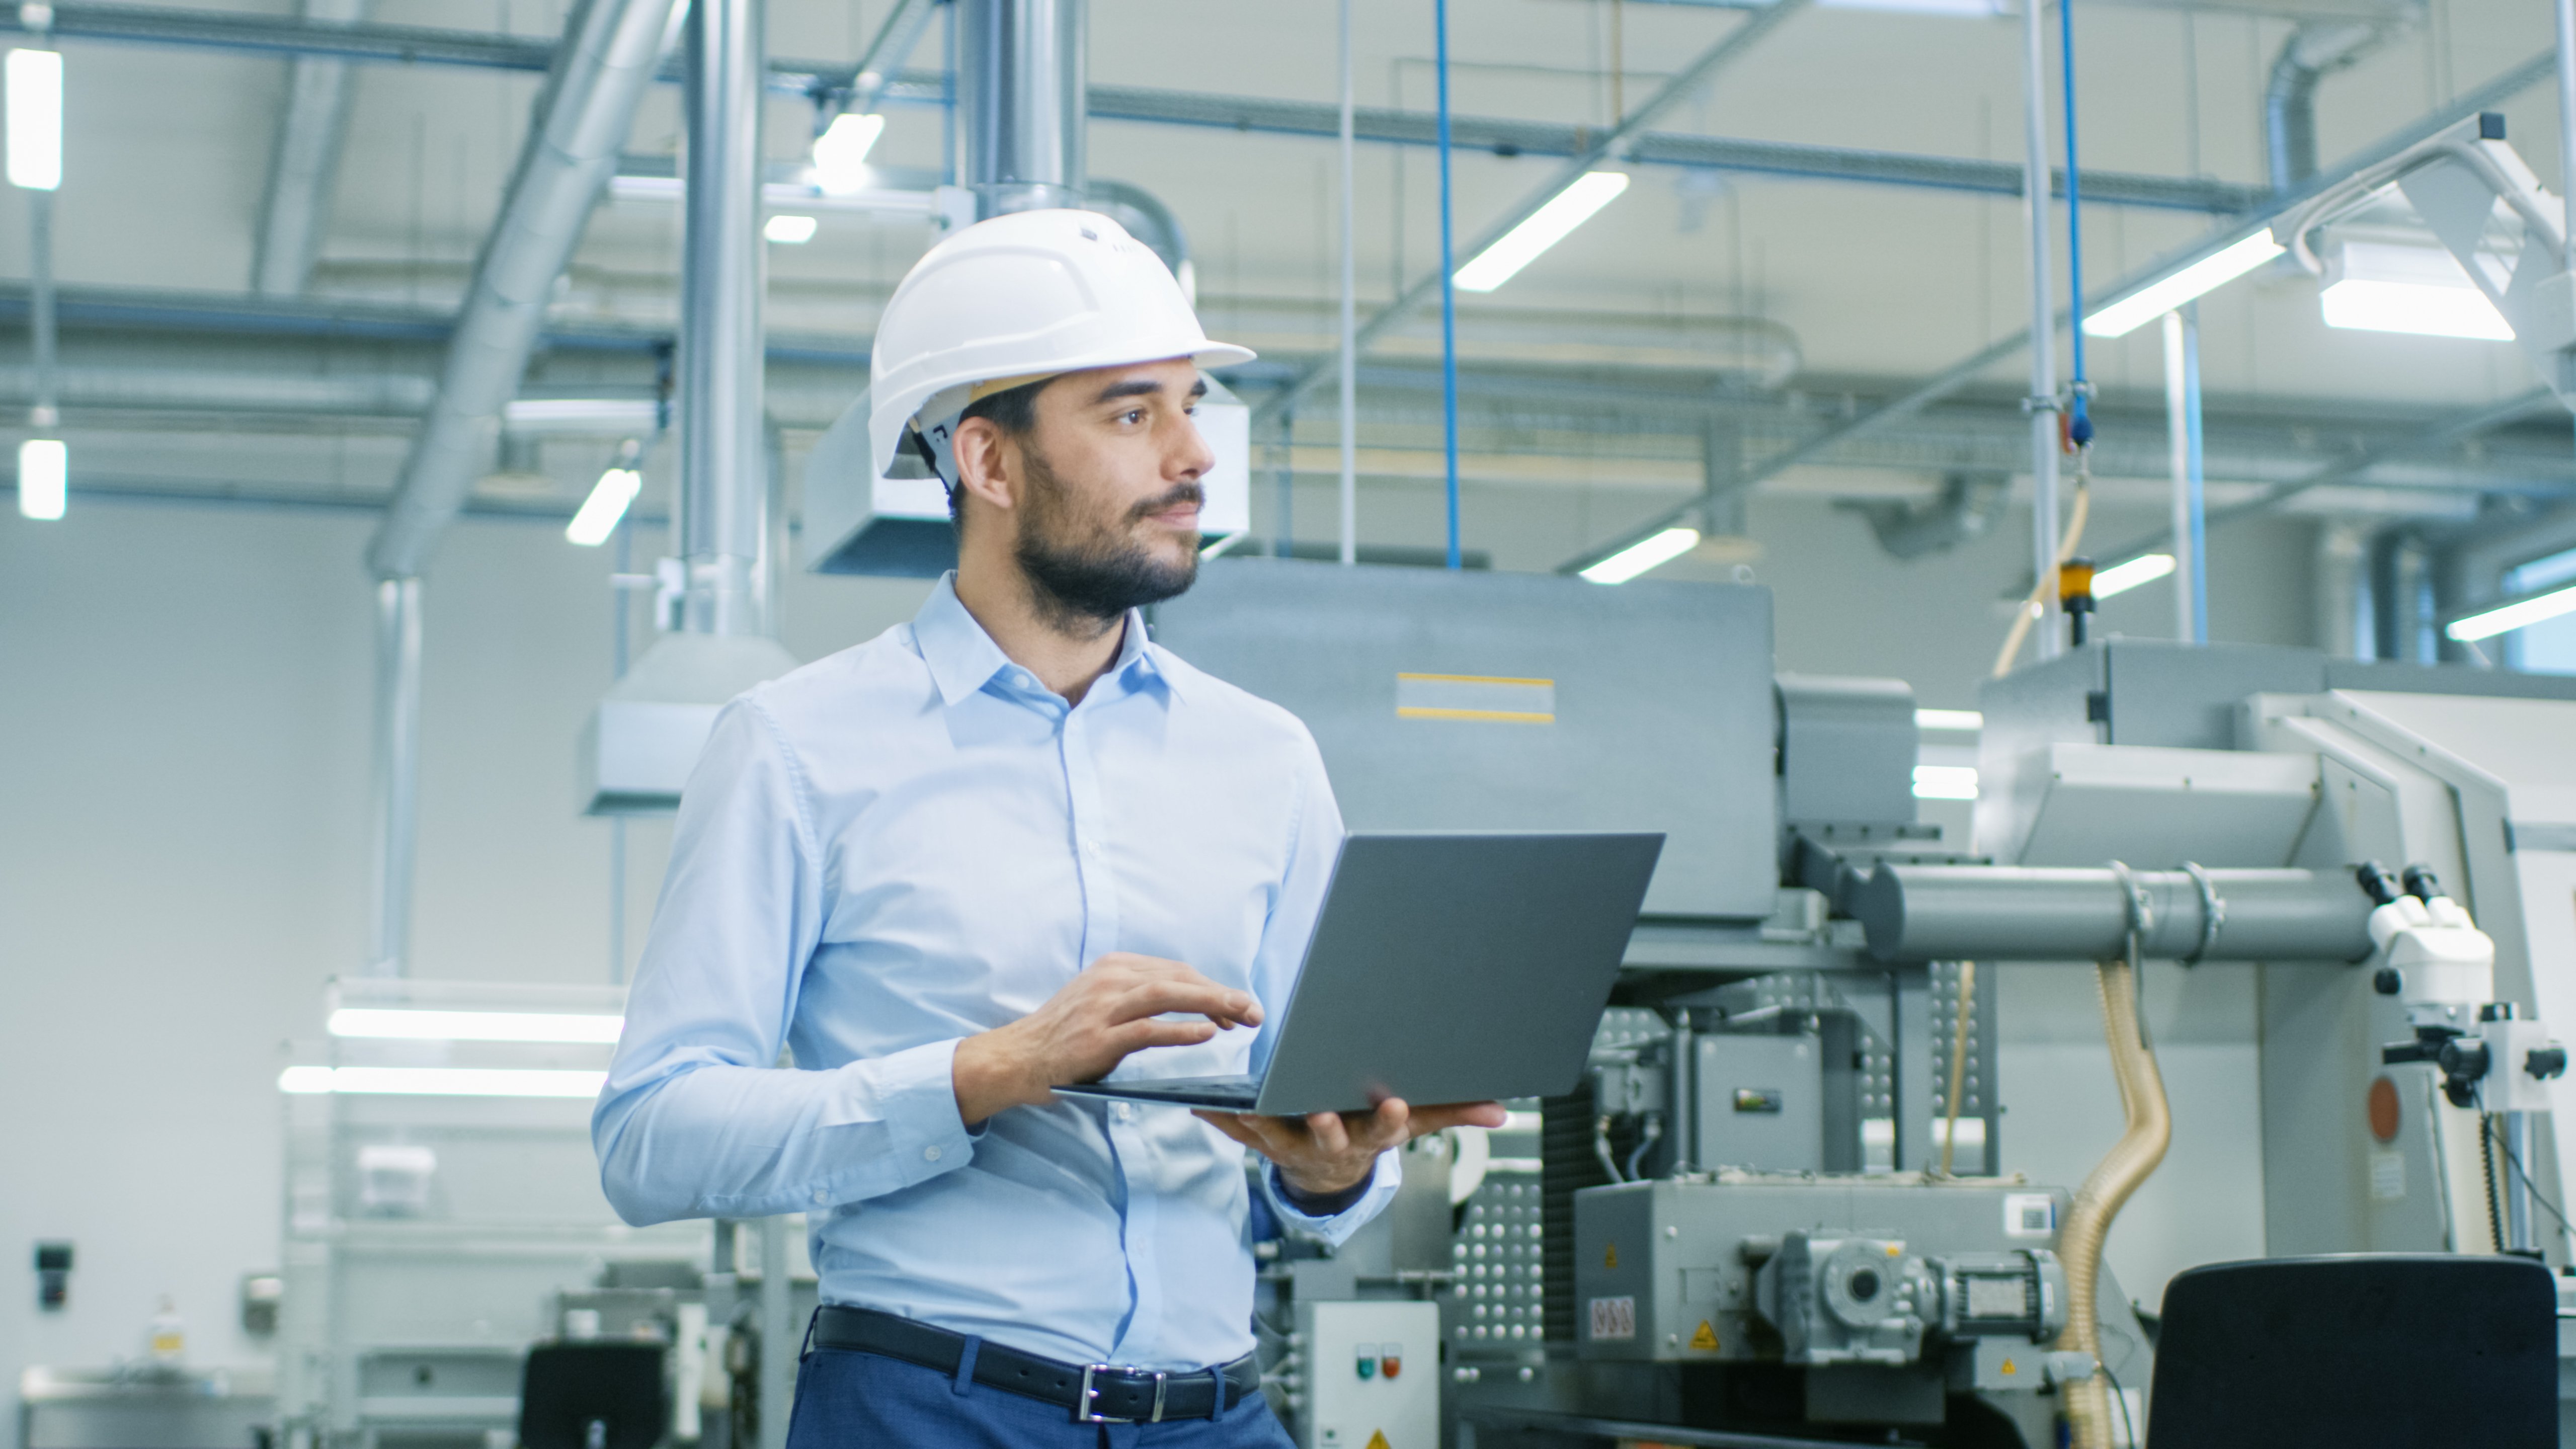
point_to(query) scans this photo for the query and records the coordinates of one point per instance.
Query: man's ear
(983, 459)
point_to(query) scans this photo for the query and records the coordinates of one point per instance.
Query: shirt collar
(963, 658)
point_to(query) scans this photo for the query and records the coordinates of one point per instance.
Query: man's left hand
(1326, 1153)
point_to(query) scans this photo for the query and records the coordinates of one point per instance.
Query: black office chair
(593, 1396)
(2388, 1350)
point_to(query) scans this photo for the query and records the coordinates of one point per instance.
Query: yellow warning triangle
(1706, 1338)
(1377, 1440)
(1610, 1259)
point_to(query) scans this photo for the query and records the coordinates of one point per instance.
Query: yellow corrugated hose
(2088, 1222)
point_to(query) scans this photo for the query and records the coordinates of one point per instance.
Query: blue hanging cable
(2079, 427)
(1448, 287)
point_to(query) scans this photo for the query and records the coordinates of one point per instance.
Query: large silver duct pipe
(609, 53)
(2033, 913)
(1020, 80)
(608, 56)
(723, 458)
(2317, 49)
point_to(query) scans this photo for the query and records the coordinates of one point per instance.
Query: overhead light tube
(605, 508)
(34, 82)
(442, 1081)
(44, 478)
(1545, 227)
(403, 1024)
(2202, 277)
(2519, 614)
(2119, 578)
(841, 152)
(1636, 558)
(789, 230)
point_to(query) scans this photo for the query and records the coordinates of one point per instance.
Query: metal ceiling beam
(2486, 97)
(1504, 137)
(830, 82)
(306, 161)
(1611, 146)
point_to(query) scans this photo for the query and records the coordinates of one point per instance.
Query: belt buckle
(1083, 1413)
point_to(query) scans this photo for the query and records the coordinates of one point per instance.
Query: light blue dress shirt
(913, 841)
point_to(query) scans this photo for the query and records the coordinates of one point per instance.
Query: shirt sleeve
(696, 1118)
(1315, 841)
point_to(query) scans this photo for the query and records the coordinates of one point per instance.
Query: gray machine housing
(1889, 1292)
(1443, 701)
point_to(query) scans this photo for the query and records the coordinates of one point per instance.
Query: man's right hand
(1083, 1031)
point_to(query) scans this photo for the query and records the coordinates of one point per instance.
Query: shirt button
(930, 1154)
(818, 1194)
(1092, 845)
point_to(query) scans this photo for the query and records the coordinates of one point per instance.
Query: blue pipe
(2079, 427)
(1448, 286)
(2193, 499)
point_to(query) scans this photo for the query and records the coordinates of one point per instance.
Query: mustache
(1189, 493)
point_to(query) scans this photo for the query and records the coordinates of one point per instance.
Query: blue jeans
(851, 1400)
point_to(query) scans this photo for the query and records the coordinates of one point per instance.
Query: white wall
(184, 696)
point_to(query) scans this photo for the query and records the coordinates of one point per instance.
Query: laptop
(1444, 968)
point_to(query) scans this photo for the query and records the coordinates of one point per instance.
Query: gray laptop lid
(1458, 968)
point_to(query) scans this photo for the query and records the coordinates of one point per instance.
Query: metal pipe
(1349, 352)
(896, 39)
(2517, 1187)
(2042, 398)
(397, 773)
(778, 1344)
(2178, 449)
(2195, 537)
(2034, 913)
(1020, 81)
(2567, 122)
(1448, 289)
(722, 495)
(46, 409)
(607, 58)
(305, 162)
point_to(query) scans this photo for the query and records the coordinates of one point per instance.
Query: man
(1007, 847)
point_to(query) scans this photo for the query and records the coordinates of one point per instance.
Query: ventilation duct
(645, 736)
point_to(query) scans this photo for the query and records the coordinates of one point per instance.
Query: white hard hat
(1020, 297)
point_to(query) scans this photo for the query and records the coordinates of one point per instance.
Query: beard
(1084, 569)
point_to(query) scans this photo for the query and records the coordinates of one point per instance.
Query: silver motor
(1838, 1299)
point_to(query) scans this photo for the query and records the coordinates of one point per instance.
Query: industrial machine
(1777, 1203)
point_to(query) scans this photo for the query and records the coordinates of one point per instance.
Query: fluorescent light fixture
(44, 477)
(1957, 721)
(2388, 287)
(407, 1025)
(794, 231)
(2516, 615)
(568, 413)
(1636, 558)
(841, 152)
(441, 1081)
(2119, 578)
(35, 87)
(1546, 226)
(2204, 276)
(605, 508)
(1945, 782)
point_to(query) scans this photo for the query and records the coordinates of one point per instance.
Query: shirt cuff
(912, 1092)
(1334, 1228)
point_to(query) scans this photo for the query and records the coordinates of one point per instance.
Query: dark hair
(1015, 412)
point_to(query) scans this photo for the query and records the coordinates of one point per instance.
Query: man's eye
(1133, 415)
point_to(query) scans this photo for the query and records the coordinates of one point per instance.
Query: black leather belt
(1097, 1393)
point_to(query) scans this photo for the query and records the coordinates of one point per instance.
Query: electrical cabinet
(1372, 1375)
